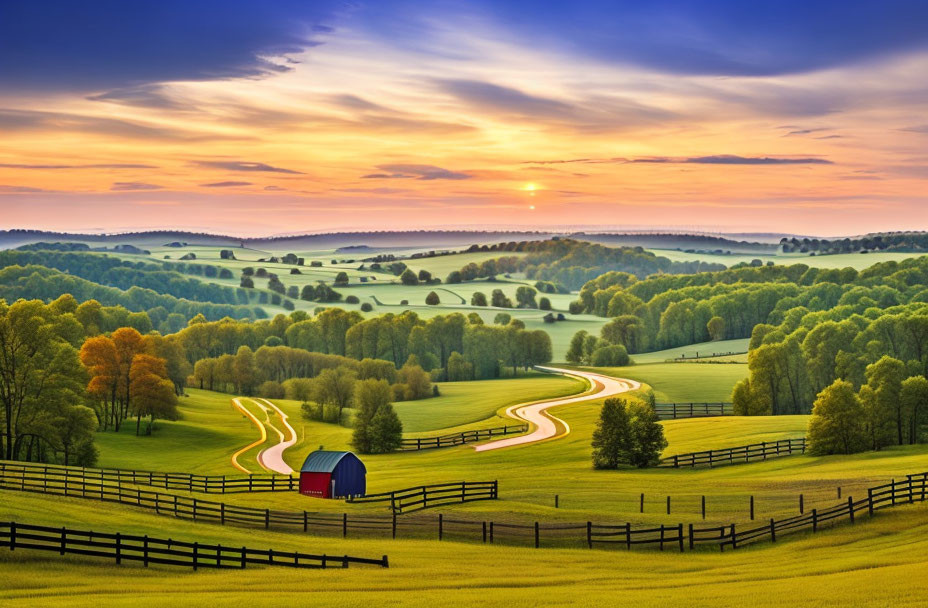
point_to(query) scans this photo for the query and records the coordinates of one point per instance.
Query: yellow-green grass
(530, 476)
(441, 266)
(840, 260)
(737, 345)
(877, 562)
(682, 382)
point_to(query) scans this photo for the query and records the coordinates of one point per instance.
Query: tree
(298, 389)
(375, 421)
(613, 355)
(416, 382)
(646, 435)
(432, 299)
(499, 299)
(544, 303)
(716, 328)
(882, 403)
(74, 426)
(246, 374)
(334, 387)
(575, 350)
(152, 392)
(502, 318)
(525, 296)
(455, 277)
(341, 279)
(744, 402)
(838, 424)
(425, 276)
(459, 368)
(914, 401)
(478, 299)
(611, 437)
(409, 278)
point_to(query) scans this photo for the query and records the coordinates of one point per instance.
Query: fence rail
(739, 454)
(424, 497)
(447, 441)
(148, 550)
(560, 534)
(212, 484)
(692, 410)
(697, 356)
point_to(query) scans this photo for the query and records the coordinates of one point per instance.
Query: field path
(272, 457)
(546, 425)
(238, 404)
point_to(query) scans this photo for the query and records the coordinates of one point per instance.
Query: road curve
(263, 432)
(272, 457)
(546, 424)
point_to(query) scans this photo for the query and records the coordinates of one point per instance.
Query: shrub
(367, 307)
(432, 299)
(351, 299)
(837, 425)
(613, 355)
(544, 303)
(271, 389)
(409, 278)
(478, 299)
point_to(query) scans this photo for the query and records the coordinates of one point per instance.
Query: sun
(530, 188)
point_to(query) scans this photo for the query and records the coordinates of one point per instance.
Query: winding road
(546, 425)
(270, 459)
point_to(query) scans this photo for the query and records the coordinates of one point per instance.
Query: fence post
(536, 534)
(680, 536)
(815, 520)
(441, 531)
(194, 509)
(668, 505)
(267, 519)
(145, 550)
(850, 508)
(175, 505)
(344, 525)
(641, 509)
(704, 507)
(870, 501)
(690, 535)
(243, 558)
(892, 492)
(752, 507)
(909, 478)
(662, 538)
(773, 531)
(64, 533)
(484, 532)
(839, 491)
(734, 538)
(491, 532)
(589, 534)
(118, 549)
(628, 536)
(394, 524)
(556, 501)
(305, 521)
(802, 507)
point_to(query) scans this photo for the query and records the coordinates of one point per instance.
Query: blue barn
(329, 474)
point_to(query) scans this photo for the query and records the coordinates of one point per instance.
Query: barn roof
(324, 461)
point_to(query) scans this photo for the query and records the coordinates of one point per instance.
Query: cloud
(130, 186)
(421, 172)
(94, 166)
(146, 96)
(274, 189)
(916, 129)
(499, 98)
(729, 39)
(239, 165)
(32, 120)
(21, 190)
(717, 159)
(54, 46)
(806, 131)
(731, 159)
(225, 184)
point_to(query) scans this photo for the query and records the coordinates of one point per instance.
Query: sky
(258, 118)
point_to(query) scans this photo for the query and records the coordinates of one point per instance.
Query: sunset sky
(281, 117)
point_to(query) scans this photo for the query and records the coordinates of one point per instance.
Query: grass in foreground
(879, 562)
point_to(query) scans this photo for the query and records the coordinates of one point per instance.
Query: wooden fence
(692, 410)
(560, 534)
(148, 550)
(743, 453)
(447, 441)
(424, 497)
(214, 484)
(697, 356)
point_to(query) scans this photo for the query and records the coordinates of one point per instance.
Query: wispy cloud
(421, 172)
(21, 190)
(717, 159)
(32, 120)
(239, 165)
(130, 186)
(94, 166)
(225, 184)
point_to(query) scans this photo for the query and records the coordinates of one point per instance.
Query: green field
(858, 261)
(879, 563)
(683, 382)
(738, 345)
